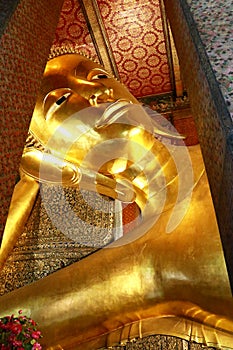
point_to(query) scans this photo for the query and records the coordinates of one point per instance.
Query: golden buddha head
(71, 83)
(88, 120)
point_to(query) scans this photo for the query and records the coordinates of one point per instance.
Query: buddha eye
(54, 100)
(97, 74)
(100, 76)
(62, 99)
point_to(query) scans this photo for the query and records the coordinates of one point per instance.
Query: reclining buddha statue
(167, 275)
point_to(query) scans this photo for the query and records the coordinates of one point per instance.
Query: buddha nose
(101, 94)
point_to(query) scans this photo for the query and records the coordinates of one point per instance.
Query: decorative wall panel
(160, 342)
(72, 29)
(135, 32)
(211, 108)
(24, 48)
(44, 248)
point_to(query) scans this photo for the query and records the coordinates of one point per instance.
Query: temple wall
(26, 37)
(202, 34)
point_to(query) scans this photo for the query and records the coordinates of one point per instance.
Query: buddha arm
(139, 287)
(22, 201)
(45, 167)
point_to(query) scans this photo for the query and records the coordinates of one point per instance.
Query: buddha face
(72, 83)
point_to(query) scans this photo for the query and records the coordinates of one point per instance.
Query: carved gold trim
(168, 46)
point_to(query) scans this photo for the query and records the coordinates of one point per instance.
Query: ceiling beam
(99, 35)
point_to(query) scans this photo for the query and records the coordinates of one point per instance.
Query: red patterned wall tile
(24, 48)
(135, 32)
(72, 30)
